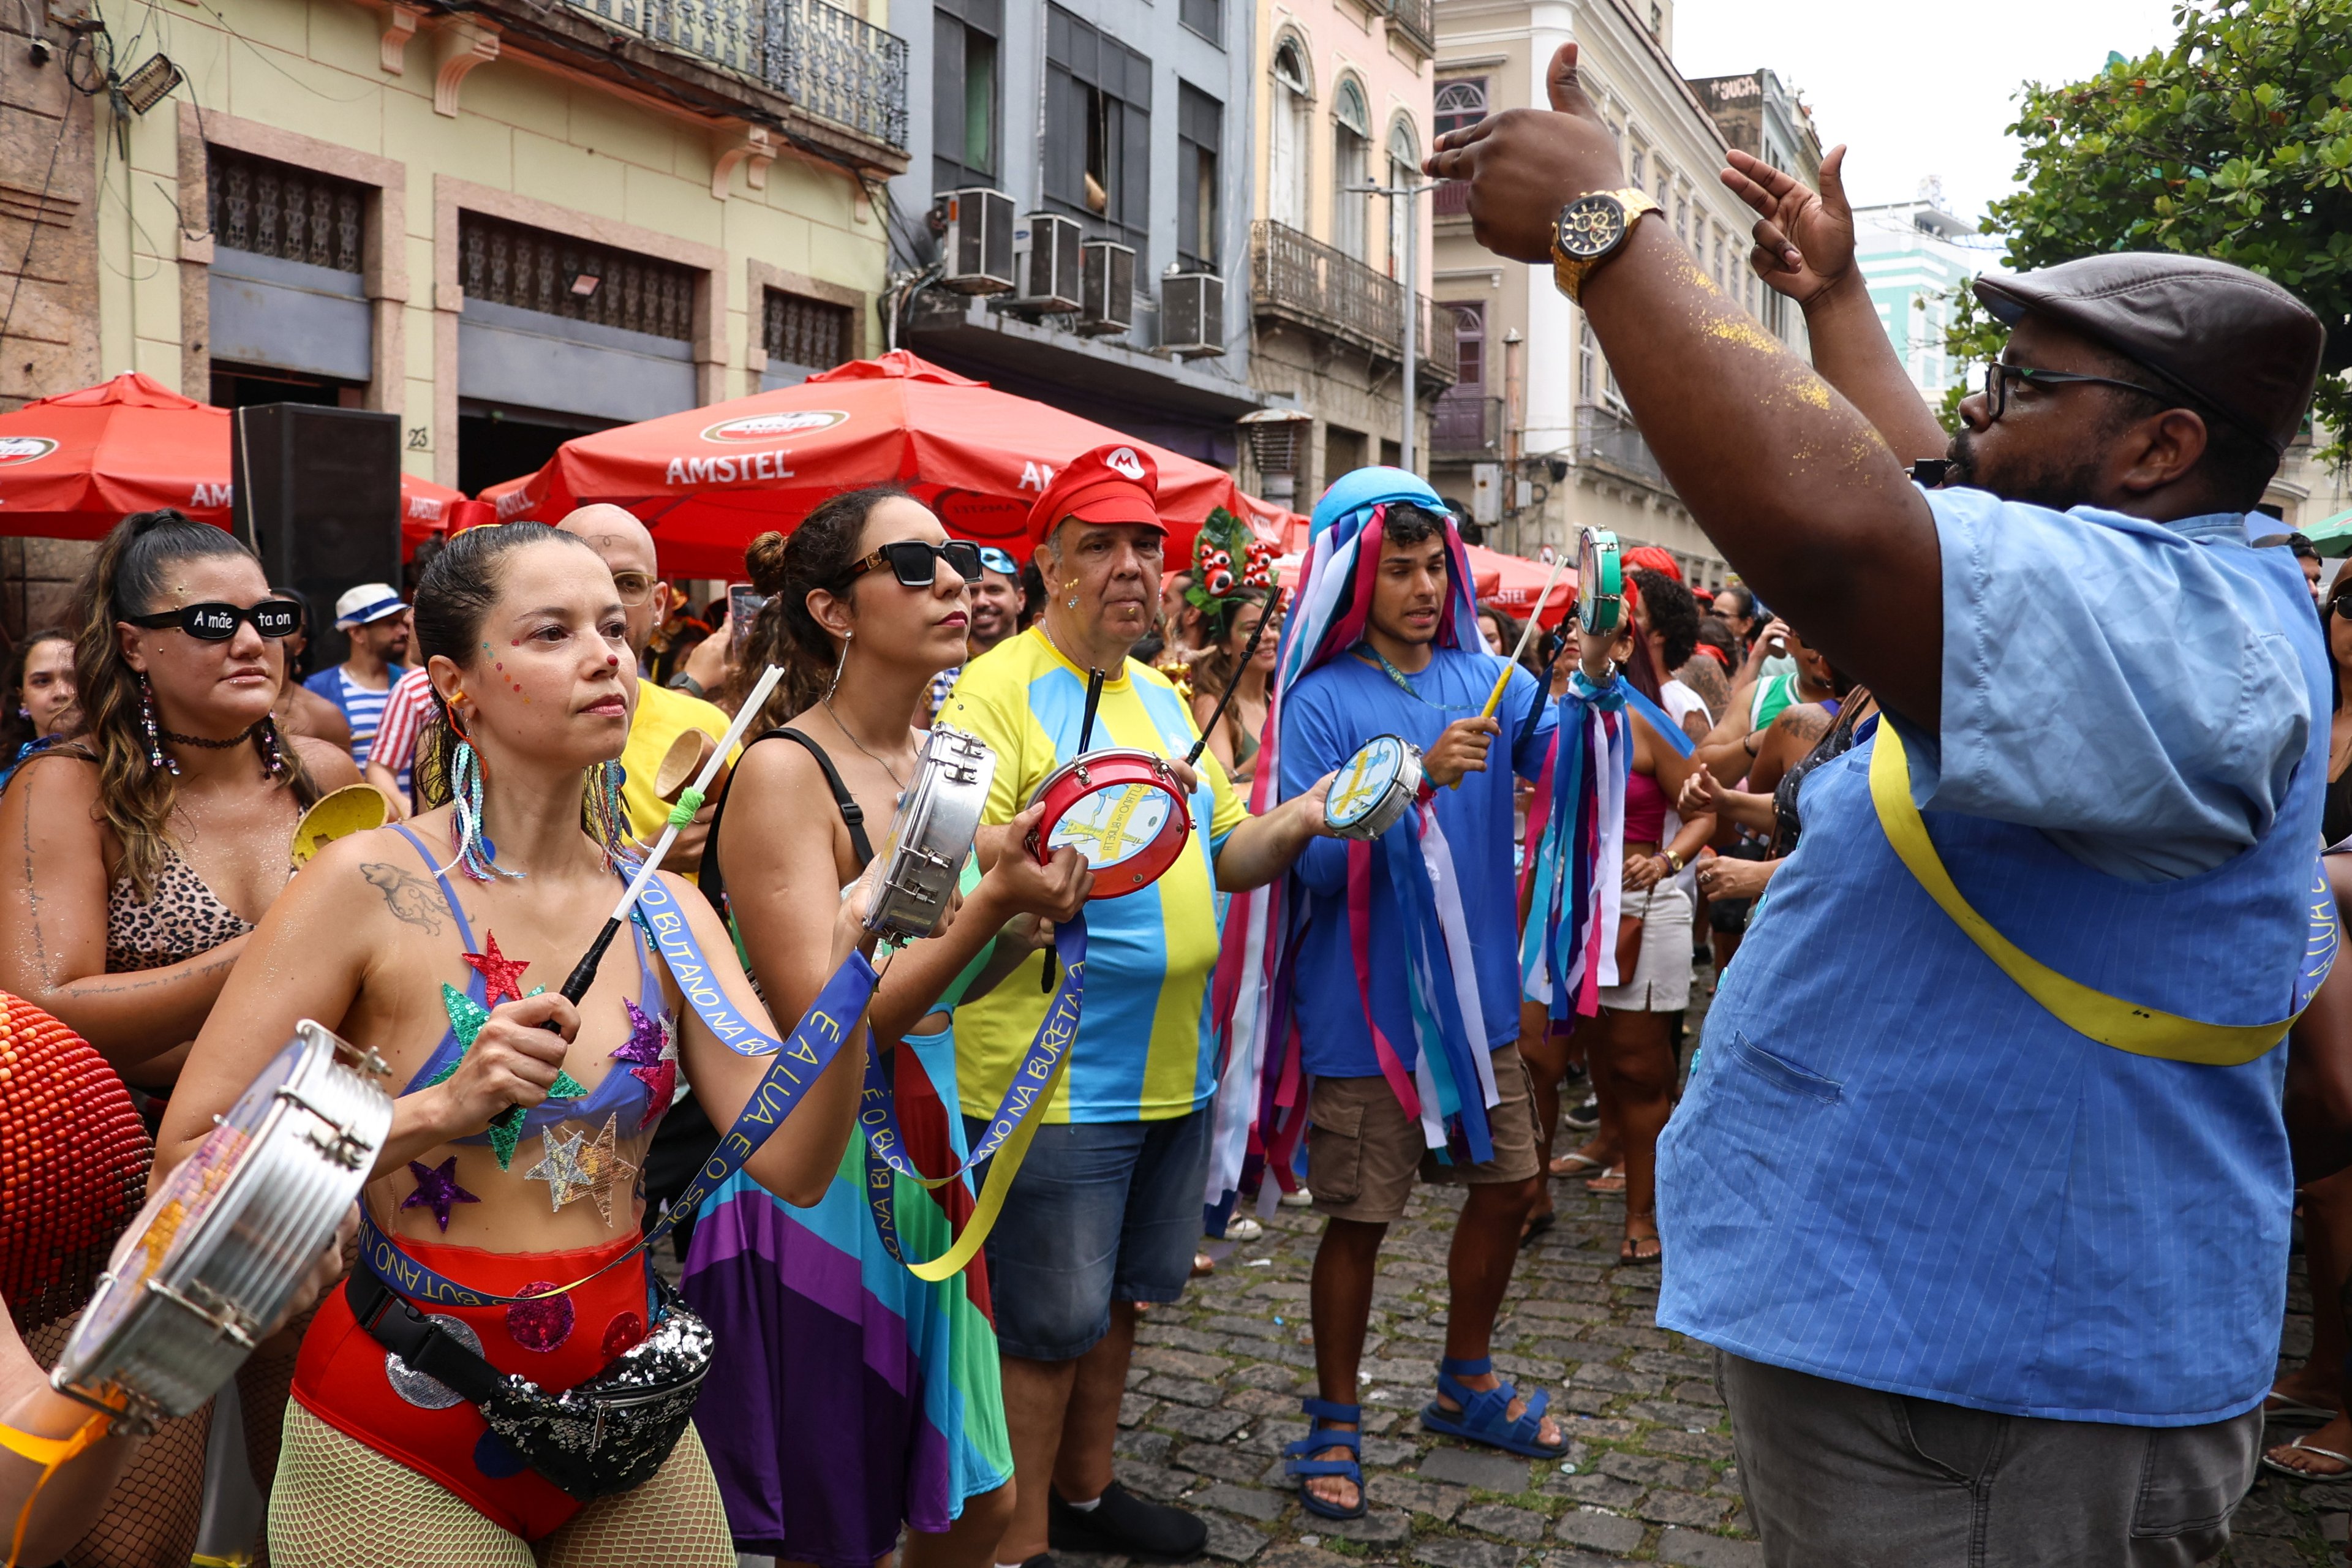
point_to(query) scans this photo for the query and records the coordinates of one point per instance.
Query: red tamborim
(1119, 808)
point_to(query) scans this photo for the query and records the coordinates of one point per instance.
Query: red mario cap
(1117, 483)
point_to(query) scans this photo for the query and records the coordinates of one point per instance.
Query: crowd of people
(1980, 1187)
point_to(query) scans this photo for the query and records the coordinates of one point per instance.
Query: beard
(2059, 484)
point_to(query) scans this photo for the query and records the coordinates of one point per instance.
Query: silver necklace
(861, 746)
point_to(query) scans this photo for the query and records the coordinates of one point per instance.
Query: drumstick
(1094, 701)
(1495, 698)
(583, 974)
(1231, 686)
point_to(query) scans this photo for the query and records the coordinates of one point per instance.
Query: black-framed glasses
(915, 561)
(1000, 561)
(218, 622)
(1999, 375)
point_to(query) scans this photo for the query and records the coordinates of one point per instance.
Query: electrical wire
(40, 202)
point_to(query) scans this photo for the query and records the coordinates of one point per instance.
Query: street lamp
(1410, 193)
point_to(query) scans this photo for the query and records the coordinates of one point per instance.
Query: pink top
(1645, 810)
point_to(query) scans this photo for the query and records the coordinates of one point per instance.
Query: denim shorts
(1101, 1212)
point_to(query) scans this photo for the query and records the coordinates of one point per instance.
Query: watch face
(1590, 226)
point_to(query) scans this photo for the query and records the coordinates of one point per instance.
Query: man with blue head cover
(1403, 986)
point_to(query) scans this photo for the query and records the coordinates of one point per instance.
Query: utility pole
(1410, 195)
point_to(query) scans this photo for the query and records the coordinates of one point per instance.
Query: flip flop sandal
(2289, 1408)
(1612, 1180)
(1535, 1227)
(1575, 1164)
(1484, 1416)
(1299, 1466)
(2291, 1473)
(1630, 1255)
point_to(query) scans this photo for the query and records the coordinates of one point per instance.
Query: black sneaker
(1584, 1117)
(1123, 1522)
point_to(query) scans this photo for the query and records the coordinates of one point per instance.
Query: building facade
(1344, 90)
(1105, 273)
(1916, 257)
(1759, 116)
(1534, 440)
(506, 226)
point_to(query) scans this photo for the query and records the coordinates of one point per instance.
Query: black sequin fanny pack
(606, 1436)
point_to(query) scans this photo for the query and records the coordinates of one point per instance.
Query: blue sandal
(1481, 1418)
(1300, 1468)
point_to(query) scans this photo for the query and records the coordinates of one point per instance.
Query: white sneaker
(1242, 1227)
(1300, 1199)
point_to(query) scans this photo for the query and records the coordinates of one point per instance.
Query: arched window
(1459, 104)
(1352, 147)
(1287, 138)
(1404, 169)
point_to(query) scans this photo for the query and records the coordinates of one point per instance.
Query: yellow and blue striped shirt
(1144, 1048)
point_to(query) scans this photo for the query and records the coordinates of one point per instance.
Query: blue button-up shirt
(1892, 1168)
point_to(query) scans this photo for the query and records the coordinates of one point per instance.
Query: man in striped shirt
(394, 751)
(377, 623)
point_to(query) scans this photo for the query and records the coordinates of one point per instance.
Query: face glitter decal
(437, 1189)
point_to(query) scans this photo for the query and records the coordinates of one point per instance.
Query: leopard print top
(183, 918)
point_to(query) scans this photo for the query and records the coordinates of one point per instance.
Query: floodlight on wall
(151, 84)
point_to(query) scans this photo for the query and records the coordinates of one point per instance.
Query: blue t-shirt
(1326, 720)
(363, 706)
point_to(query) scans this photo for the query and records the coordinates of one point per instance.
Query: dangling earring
(608, 815)
(156, 756)
(476, 856)
(273, 755)
(843, 665)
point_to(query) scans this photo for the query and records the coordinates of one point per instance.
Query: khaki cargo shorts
(1363, 1153)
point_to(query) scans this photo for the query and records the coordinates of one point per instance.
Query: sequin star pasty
(559, 1166)
(651, 1053)
(501, 975)
(437, 1189)
(467, 1017)
(603, 1168)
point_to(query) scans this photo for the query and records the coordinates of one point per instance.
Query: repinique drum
(1119, 808)
(1599, 581)
(1374, 789)
(224, 1242)
(931, 833)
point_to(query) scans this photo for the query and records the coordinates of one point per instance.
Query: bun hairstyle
(127, 578)
(817, 554)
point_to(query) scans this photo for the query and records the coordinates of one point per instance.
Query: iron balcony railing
(1413, 18)
(1610, 441)
(1450, 198)
(1307, 282)
(1465, 423)
(832, 63)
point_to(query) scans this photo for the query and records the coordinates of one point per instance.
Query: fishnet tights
(341, 1504)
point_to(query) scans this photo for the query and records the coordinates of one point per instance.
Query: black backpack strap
(852, 817)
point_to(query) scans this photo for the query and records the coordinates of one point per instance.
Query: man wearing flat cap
(1981, 1188)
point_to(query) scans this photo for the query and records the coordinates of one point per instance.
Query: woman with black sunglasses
(152, 841)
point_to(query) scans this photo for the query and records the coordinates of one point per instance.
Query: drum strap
(51, 1454)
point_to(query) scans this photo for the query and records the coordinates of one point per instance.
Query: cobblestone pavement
(2282, 1522)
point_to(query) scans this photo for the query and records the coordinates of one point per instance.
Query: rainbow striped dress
(845, 1394)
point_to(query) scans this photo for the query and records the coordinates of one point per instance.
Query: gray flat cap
(2231, 340)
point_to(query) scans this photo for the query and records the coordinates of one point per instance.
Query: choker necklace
(199, 741)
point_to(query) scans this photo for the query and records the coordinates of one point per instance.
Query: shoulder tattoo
(411, 899)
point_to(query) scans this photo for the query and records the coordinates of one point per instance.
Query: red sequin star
(501, 975)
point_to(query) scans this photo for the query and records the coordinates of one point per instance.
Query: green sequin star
(467, 1017)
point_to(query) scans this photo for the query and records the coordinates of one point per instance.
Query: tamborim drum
(225, 1240)
(1119, 808)
(338, 814)
(1599, 581)
(931, 835)
(1374, 789)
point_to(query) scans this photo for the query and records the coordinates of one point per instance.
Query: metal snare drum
(1599, 581)
(224, 1242)
(1123, 810)
(1375, 788)
(931, 835)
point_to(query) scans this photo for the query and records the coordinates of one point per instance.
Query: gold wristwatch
(1589, 230)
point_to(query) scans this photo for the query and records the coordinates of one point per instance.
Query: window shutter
(947, 93)
(1065, 137)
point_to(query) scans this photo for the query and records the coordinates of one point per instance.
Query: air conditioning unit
(1106, 287)
(1048, 246)
(1192, 315)
(978, 245)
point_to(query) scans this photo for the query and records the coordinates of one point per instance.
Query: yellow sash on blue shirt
(2109, 1020)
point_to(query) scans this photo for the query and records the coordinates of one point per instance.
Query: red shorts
(342, 1378)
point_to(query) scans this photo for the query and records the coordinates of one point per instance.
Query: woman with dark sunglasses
(153, 840)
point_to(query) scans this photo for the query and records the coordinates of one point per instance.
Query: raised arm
(1805, 249)
(1805, 499)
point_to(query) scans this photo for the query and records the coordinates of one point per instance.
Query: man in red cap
(1107, 1203)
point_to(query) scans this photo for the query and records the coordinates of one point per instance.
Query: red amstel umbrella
(1516, 581)
(73, 466)
(709, 480)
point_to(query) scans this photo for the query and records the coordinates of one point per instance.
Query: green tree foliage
(2235, 141)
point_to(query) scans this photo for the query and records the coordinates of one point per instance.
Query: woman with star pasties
(511, 1167)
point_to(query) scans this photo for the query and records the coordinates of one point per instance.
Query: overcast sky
(1916, 89)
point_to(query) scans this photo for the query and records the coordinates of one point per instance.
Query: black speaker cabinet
(318, 497)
